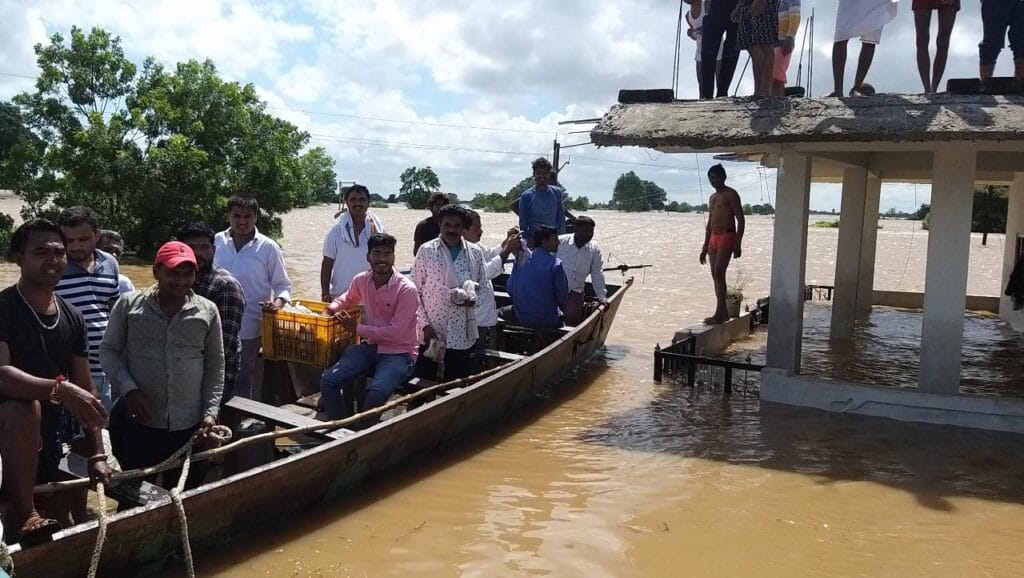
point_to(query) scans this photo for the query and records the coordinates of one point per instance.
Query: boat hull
(143, 540)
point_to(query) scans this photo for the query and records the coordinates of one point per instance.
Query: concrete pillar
(851, 233)
(789, 258)
(1014, 228)
(945, 285)
(869, 242)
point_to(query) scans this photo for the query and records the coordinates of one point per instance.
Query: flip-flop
(37, 530)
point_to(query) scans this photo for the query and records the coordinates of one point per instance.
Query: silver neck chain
(49, 327)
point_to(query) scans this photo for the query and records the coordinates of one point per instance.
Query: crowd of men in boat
(127, 376)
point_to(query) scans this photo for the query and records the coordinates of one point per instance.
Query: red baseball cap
(174, 253)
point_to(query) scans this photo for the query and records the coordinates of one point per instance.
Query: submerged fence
(681, 361)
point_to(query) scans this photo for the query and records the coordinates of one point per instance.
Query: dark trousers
(140, 447)
(458, 363)
(718, 23)
(998, 16)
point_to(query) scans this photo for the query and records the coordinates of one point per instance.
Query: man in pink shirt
(391, 302)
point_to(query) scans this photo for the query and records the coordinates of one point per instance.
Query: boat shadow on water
(933, 463)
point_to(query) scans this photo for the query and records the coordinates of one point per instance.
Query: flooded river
(618, 476)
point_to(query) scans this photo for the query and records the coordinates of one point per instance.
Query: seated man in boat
(538, 284)
(722, 238)
(44, 376)
(494, 258)
(164, 354)
(581, 257)
(391, 301)
(448, 271)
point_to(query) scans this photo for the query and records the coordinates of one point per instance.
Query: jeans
(996, 17)
(390, 370)
(718, 22)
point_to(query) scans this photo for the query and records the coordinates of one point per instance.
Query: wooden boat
(145, 538)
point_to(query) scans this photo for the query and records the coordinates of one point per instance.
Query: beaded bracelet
(56, 389)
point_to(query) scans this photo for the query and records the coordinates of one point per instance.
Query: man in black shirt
(429, 229)
(44, 365)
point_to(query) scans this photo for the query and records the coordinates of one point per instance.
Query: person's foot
(713, 321)
(831, 94)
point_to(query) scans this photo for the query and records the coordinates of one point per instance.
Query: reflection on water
(886, 350)
(622, 477)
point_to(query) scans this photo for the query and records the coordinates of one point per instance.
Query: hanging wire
(676, 57)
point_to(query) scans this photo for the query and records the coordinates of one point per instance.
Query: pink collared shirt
(390, 322)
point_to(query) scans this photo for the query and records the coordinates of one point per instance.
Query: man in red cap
(164, 355)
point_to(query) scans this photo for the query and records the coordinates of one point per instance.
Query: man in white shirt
(345, 244)
(440, 271)
(494, 264)
(256, 261)
(581, 257)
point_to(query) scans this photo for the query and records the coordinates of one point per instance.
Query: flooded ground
(886, 350)
(618, 476)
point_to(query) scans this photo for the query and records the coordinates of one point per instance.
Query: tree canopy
(417, 184)
(153, 149)
(634, 194)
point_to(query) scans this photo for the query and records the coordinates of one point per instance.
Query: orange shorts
(722, 240)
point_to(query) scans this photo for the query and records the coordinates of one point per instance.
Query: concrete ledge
(714, 339)
(972, 411)
(915, 300)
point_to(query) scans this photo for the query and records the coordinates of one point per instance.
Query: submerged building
(952, 142)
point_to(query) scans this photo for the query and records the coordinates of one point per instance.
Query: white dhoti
(863, 19)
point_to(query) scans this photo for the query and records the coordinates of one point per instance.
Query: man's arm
(279, 281)
(115, 339)
(524, 212)
(559, 212)
(231, 308)
(741, 221)
(597, 275)
(352, 297)
(17, 384)
(82, 376)
(213, 367)
(561, 286)
(326, 272)
(418, 238)
(707, 237)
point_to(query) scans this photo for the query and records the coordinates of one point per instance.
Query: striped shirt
(93, 294)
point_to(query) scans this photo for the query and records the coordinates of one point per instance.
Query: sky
(473, 89)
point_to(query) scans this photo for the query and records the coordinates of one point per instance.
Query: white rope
(219, 434)
(101, 536)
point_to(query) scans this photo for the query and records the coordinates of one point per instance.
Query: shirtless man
(723, 236)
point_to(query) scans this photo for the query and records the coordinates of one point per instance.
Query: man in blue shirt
(541, 204)
(538, 284)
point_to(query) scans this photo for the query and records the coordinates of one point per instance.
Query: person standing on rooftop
(931, 73)
(864, 19)
(717, 24)
(999, 17)
(257, 262)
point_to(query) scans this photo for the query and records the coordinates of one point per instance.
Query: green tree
(923, 211)
(748, 209)
(320, 180)
(417, 186)
(22, 159)
(154, 149)
(631, 193)
(517, 191)
(581, 203)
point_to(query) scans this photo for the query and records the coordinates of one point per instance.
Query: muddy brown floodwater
(619, 476)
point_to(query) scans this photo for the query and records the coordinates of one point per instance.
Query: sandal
(37, 530)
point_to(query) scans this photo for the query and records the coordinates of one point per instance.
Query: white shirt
(124, 285)
(430, 272)
(580, 262)
(486, 308)
(348, 251)
(259, 267)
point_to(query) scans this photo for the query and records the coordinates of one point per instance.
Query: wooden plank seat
(129, 493)
(279, 416)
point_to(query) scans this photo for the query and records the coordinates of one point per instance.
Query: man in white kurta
(494, 264)
(581, 257)
(440, 271)
(345, 244)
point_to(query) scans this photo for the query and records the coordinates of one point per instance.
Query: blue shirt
(93, 294)
(538, 208)
(539, 290)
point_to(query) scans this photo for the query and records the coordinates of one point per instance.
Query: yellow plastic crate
(301, 338)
